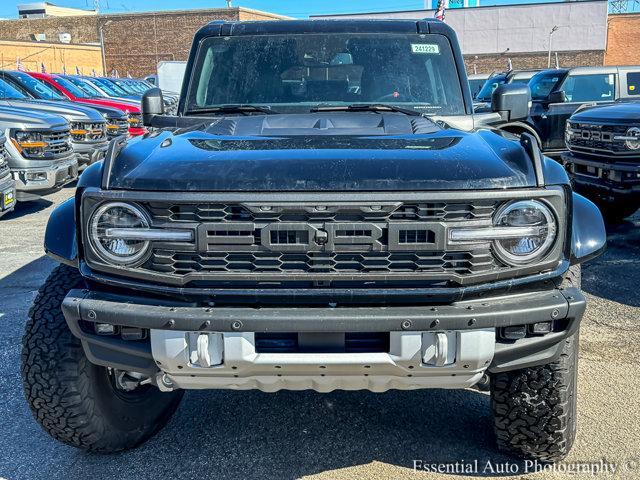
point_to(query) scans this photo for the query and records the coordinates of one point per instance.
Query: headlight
(528, 232)
(632, 138)
(108, 233)
(29, 144)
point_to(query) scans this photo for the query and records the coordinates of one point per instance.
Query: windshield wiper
(234, 108)
(366, 107)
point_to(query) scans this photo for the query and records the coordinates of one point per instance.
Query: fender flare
(60, 241)
(588, 233)
(520, 127)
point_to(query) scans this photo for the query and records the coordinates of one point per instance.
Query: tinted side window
(633, 83)
(590, 88)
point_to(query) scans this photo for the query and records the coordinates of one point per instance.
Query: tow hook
(164, 382)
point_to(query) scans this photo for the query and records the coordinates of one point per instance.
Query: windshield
(127, 86)
(300, 72)
(8, 91)
(36, 87)
(543, 83)
(475, 85)
(111, 88)
(489, 86)
(72, 88)
(85, 86)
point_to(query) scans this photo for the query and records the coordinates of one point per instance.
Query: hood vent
(316, 124)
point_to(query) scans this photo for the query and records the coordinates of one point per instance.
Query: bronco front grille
(282, 238)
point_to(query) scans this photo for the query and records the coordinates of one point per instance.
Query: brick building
(53, 55)
(133, 42)
(491, 36)
(623, 40)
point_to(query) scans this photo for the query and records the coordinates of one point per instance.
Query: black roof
(227, 28)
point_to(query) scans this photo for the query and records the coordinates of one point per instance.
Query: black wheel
(75, 401)
(534, 408)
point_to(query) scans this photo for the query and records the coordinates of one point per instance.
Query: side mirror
(152, 105)
(512, 101)
(557, 96)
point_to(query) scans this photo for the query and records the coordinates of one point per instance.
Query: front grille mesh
(214, 212)
(336, 240)
(4, 164)
(593, 138)
(58, 143)
(462, 263)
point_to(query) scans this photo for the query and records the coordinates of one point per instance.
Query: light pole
(104, 57)
(553, 30)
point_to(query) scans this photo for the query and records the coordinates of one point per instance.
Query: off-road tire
(573, 277)
(75, 401)
(534, 408)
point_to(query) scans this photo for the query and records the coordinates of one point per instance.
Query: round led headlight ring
(527, 248)
(103, 227)
(633, 144)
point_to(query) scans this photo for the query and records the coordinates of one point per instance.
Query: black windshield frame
(449, 81)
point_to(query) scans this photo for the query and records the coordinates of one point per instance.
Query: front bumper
(471, 323)
(7, 195)
(603, 177)
(49, 178)
(89, 153)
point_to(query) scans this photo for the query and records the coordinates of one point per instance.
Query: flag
(440, 10)
(129, 75)
(64, 69)
(20, 66)
(93, 73)
(78, 71)
(115, 74)
(43, 69)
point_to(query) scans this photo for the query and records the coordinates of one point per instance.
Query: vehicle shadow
(286, 435)
(27, 208)
(616, 274)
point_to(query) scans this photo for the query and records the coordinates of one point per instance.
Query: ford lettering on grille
(321, 237)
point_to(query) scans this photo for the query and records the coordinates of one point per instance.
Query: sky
(292, 8)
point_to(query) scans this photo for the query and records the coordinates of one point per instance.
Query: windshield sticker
(425, 48)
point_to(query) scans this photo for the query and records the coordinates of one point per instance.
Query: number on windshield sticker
(425, 48)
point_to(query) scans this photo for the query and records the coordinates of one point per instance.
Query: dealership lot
(337, 435)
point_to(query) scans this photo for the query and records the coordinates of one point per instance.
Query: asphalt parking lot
(342, 435)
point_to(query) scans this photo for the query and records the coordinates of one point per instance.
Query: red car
(75, 94)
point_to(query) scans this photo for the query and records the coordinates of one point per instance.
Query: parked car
(38, 150)
(100, 87)
(314, 235)
(7, 183)
(557, 93)
(88, 127)
(116, 119)
(604, 155)
(476, 81)
(75, 94)
(483, 98)
(117, 88)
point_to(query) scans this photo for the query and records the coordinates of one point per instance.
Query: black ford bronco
(603, 160)
(312, 218)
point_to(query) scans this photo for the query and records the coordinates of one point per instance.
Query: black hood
(321, 152)
(622, 113)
